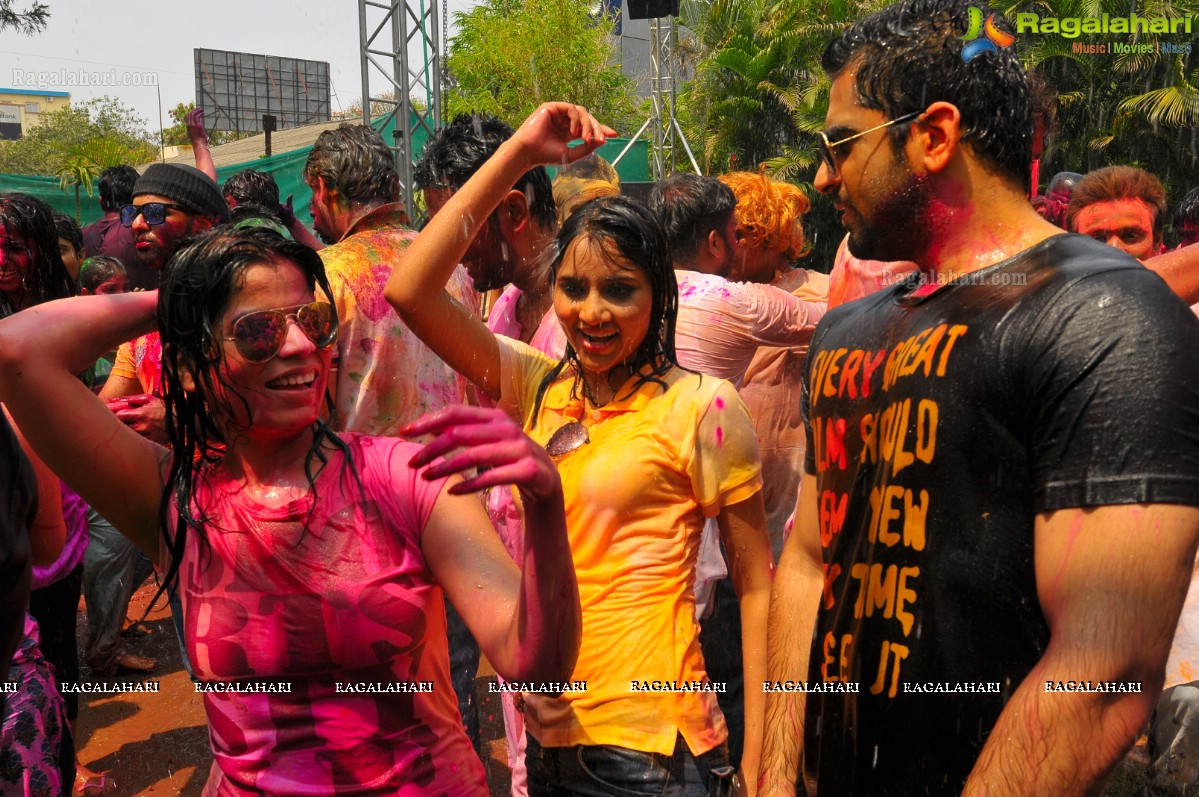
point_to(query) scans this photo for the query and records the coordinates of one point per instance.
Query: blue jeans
(112, 569)
(720, 641)
(609, 771)
(464, 667)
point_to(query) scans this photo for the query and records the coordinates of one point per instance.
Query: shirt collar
(391, 214)
(558, 396)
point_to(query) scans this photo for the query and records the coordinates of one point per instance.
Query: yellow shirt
(659, 461)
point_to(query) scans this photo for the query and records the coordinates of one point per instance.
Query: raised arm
(199, 141)
(112, 467)
(416, 288)
(793, 607)
(527, 621)
(1111, 582)
(743, 529)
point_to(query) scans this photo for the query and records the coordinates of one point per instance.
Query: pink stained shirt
(722, 324)
(325, 592)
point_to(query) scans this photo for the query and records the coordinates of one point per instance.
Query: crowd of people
(574, 432)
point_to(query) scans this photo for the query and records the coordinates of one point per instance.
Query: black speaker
(652, 9)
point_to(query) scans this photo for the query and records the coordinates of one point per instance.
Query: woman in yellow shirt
(645, 450)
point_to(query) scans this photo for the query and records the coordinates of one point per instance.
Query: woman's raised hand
(470, 437)
(545, 136)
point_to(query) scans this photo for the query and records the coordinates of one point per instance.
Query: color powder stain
(719, 403)
(719, 435)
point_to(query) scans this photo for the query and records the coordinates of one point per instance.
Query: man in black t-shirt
(999, 513)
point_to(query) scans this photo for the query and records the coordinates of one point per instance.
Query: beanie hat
(186, 185)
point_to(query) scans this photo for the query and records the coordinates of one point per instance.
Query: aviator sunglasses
(153, 212)
(259, 335)
(827, 147)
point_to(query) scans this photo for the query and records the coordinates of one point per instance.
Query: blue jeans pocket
(621, 771)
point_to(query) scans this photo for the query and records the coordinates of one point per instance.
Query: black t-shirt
(939, 427)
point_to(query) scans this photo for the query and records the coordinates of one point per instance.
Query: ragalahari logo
(995, 38)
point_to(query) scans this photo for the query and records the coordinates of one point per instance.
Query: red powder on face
(719, 435)
(719, 403)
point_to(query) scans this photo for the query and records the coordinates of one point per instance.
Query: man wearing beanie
(171, 202)
(193, 204)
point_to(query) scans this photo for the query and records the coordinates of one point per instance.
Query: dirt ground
(157, 744)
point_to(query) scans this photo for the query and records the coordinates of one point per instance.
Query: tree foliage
(758, 94)
(176, 134)
(26, 23)
(101, 131)
(1140, 109)
(509, 56)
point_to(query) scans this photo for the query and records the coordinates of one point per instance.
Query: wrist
(517, 155)
(548, 499)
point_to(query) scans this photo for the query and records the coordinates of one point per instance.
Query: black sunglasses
(153, 212)
(827, 147)
(259, 335)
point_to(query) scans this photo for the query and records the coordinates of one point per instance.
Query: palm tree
(82, 164)
(1132, 108)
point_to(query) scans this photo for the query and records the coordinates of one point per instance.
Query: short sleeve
(805, 410)
(725, 467)
(125, 364)
(522, 370)
(406, 498)
(1111, 383)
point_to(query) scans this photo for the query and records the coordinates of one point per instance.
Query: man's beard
(899, 227)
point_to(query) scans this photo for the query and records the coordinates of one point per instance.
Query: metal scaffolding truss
(663, 125)
(390, 35)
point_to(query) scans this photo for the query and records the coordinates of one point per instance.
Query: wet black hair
(909, 55)
(455, 152)
(1187, 211)
(198, 284)
(257, 196)
(617, 226)
(68, 228)
(690, 206)
(47, 277)
(355, 162)
(116, 187)
(1063, 183)
(95, 271)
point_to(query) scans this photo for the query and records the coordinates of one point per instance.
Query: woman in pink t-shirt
(311, 566)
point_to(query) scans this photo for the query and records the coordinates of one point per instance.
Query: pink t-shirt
(324, 593)
(722, 324)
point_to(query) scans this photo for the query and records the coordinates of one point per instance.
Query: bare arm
(1180, 270)
(112, 467)
(117, 386)
(527, 621)
(743, 529)
(416, 288)
(199, 141)
(303, 235)
(793, 608)
(299, 232)
(1111, 582)
(48, 533)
